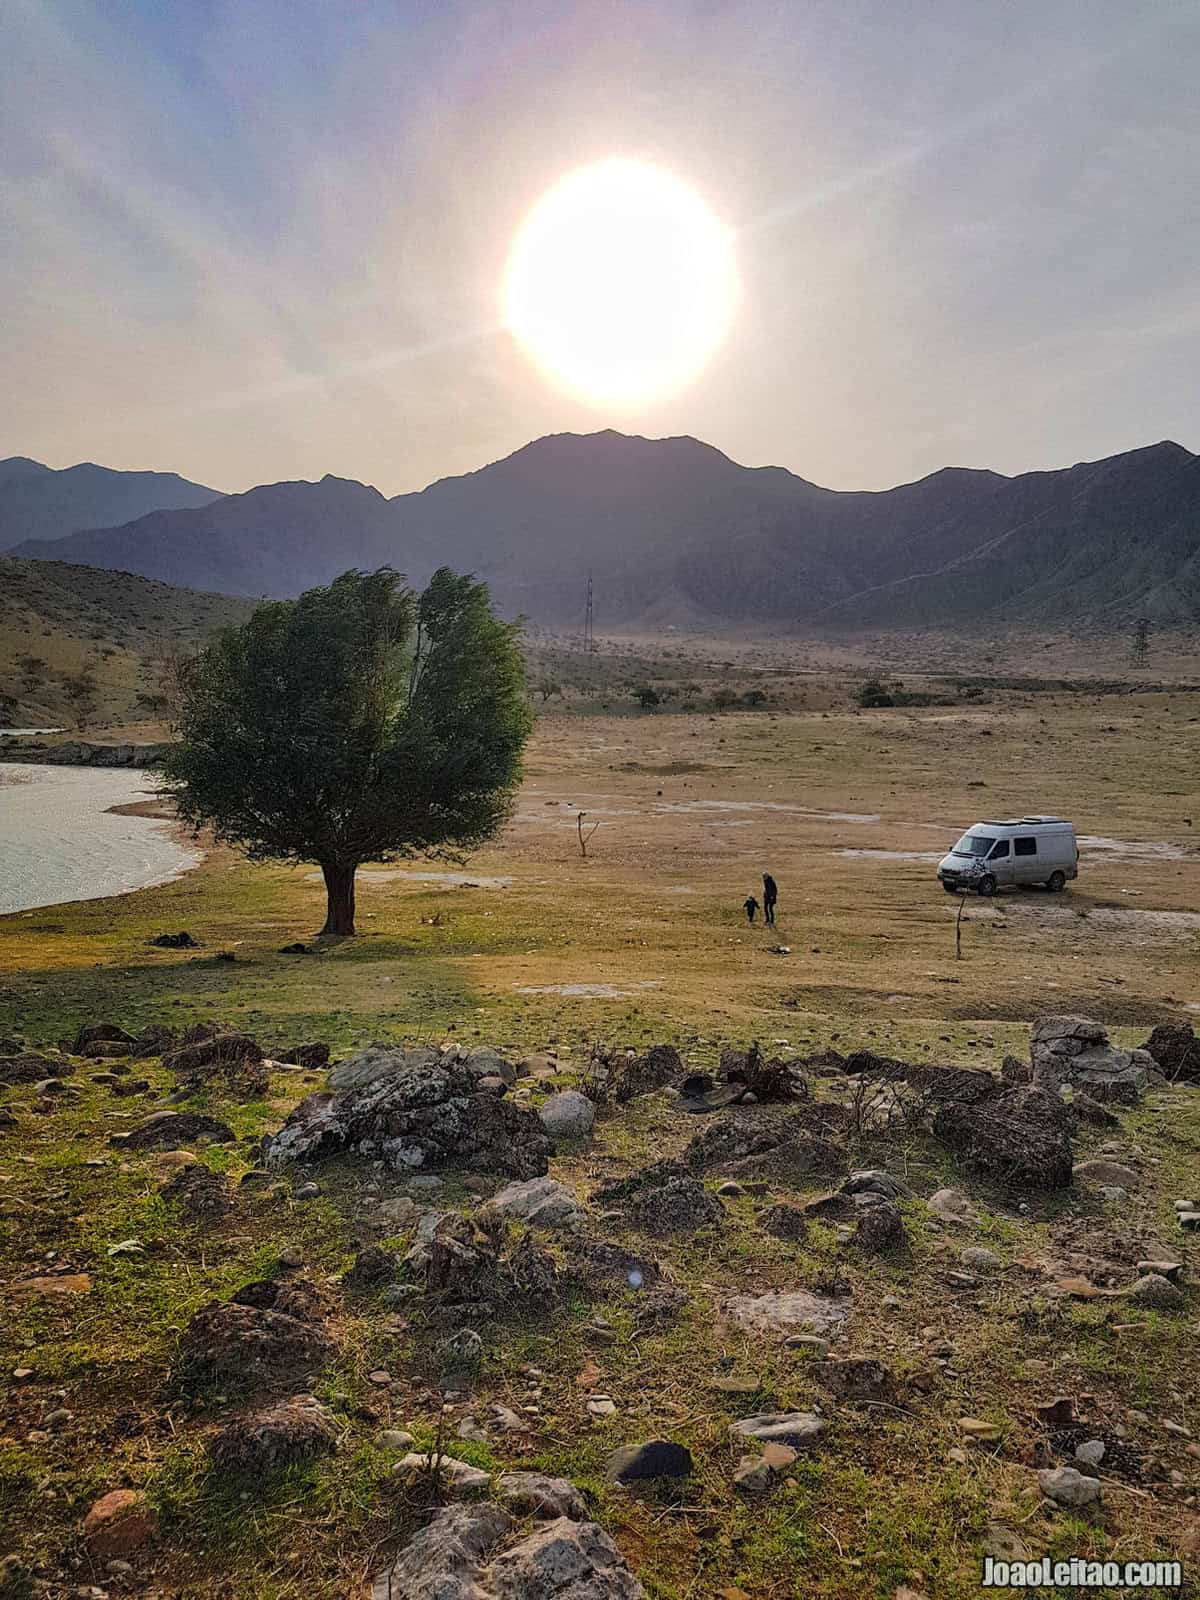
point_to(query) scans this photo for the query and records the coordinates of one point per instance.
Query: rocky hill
(38, 502)
(79, 644)
(675, 532)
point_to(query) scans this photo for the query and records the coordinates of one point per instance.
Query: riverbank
(74, 834)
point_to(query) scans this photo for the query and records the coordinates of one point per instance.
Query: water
(59, 842)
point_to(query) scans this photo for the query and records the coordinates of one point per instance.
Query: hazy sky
(247, 240)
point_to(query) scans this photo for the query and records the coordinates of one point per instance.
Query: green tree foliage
(648, 698)
(360, 722)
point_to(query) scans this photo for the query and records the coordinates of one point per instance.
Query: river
(59, 840)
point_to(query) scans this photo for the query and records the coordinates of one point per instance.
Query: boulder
(416, 1117)
(1107, 1172)
(230, 1056)
(859, 1379)
(1020, 1137)
(456, 1477)
(1158, 1292)
(483, 1062)
(312, 1057)
(237, 1343)
(119, 1523)
(1076, 1051)
(785, 1221)
(535, 1494)
(880, 1227)
(169, 1130)
(952, 1205)
(379, 1061)
(655, 1069)
(663, 1198)
(1067, 1486)
(567, 1115)
(788, 1311)
(541, 1202)
(26, 1066)
(790, 1143)
(1175, 1050)
(101, 1033)
(294, 1430)
(201, 1194)
(873, 1181)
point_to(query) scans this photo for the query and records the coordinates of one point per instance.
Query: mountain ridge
(676, 527)
(37, 501)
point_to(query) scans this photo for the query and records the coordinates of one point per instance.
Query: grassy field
(532, 945)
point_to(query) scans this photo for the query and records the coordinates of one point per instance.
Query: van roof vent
(1043, 819)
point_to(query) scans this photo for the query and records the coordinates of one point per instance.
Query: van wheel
(950, 888)
(1056, 882)
(986, 884)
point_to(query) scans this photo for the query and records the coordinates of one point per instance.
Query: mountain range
(38, 502)
(674, 532)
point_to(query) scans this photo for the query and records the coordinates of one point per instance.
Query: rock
(237, 1343)
(1112, 1194)
(655, 1069)
(395, 1439)
(201, 1194)
(1107, 1173)
(230, 1056)
(167, 1130)
(26, 1067)
(53, 1283)
(1066, 1486)
(1003, 1544)
(567, 1115)
(951, 1205)
(307, 1191)
(541, 1202)
(1157, 1292)
(446, 1558)
(1090, 1452)
(378, 1062)
(1076, 1051)
(788, 1311)
(981, 1432)
(873, 1181)
(807, 1341)
(784, 1221)
(417, 1117)
(295, 1430)
(979, 1259)
(484, 1062)
(101, 1033)
(118, 1523)
(752, 1476)
(458, 1477)
(1188, 1220)
(880, 1227)
(785, 1141)
(373, 1265)
(1175, 1050)
(779, 1457)
(312, 1057)
(657, 1458)
(562, 1560)
(1020, 1137)
(860, 1379)
(799, 1429)
(1091, 1111)
(1165, 1269)
(533, 1493)
(663, 1198)
(1014, 1071)
(174, 941)
(1057, 1413)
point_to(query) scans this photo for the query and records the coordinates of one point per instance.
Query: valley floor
(532, 946)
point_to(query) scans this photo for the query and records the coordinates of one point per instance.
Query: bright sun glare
(621, 283)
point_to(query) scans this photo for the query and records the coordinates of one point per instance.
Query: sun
(621, 283)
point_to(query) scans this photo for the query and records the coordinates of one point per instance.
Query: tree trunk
(339, 898)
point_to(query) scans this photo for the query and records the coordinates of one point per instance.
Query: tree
(358, 723)
(81, 689)
(648, 698)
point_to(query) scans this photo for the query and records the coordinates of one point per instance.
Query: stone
(1157, 1292)
(373, 1265)
(1188, 1220)
(95, 1033)
(1090, 1453)
(1175, 1050)
(167, 1130)
(788, 1311)
(567, 1115)
(657, 1458)
(1057, 1413)
(535, 1494)
(879, 1228)
(307, 1191)
(736, 1383)
(752, 1476)
(483, 1063)
(807, 1341)
(1003, 1544)
(1091, 1111)
(312, 1057)
(1165, 1269)
(541, 1202)
(416, 1118)
(779, 1457)
(655, 1069)
(201, 1194)
(1019, 1137)
(233, 1057)
(874, 1181)
(380, 1061)
(860, 1379)
(244, 1343)
(1074, 1050)
(1107, 1173)
(395, 1439)
(562, 1560)
(799, 1429)
(784, 1221)
(981, 1432)
(118, 1523)
(980, 1259)
(1068, 1487)
(951, 1205)
(458, 1477)
(26, 1067)
(262, 1441)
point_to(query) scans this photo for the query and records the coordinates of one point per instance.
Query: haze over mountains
(38, 502)
(675, 532)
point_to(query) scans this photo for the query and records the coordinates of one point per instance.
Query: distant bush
(874, 692)
(647, 697)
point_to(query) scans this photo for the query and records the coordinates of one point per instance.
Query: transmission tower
(589, 635)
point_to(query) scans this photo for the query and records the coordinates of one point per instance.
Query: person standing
(770, 895)
(750, 906)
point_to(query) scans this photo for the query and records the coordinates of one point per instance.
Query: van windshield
(973, 844)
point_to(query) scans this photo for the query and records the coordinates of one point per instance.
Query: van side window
(999, 849)
(1025, 847)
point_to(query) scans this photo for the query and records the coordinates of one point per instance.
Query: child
(750, 905)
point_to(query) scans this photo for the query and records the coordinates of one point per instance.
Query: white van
(1024, 850)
